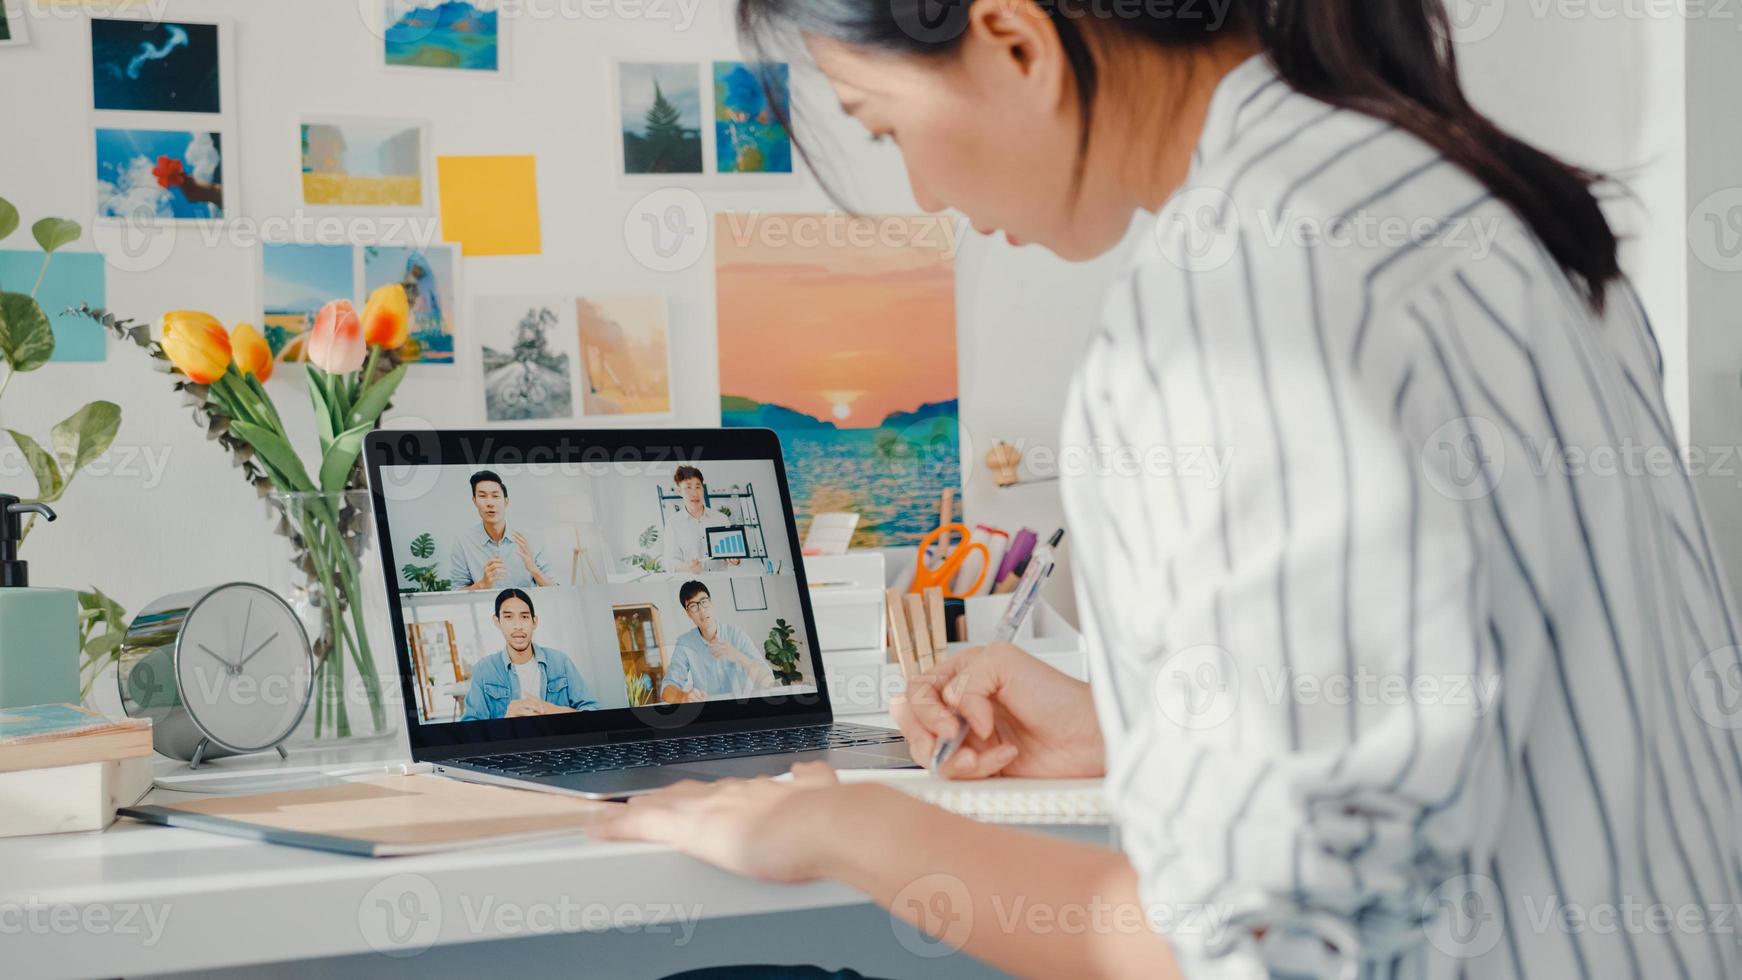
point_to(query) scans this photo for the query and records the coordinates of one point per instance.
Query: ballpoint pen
(1040, 565)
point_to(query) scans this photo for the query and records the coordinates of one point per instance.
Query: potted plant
(781, 649)
(26, 344)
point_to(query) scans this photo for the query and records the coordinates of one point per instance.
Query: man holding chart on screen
(686, 532)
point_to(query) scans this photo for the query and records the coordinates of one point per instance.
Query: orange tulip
(253, 354)
(387, 318)
(197, 345)
(335, 345)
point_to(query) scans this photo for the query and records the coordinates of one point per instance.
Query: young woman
(1429, 682)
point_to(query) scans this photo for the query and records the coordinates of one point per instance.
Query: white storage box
(847, 600)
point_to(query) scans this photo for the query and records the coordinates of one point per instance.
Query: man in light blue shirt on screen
(524, 679)
(489, 556)
(714, 660)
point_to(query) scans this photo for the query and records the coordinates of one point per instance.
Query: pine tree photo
(665, 145)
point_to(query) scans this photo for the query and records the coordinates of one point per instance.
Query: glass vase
(332, 579)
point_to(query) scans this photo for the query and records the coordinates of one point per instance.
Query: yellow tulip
(197, 345)
(253, 354)
(387, 318)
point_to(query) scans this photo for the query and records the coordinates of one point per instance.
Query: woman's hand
(775, 831)
(1024, 718)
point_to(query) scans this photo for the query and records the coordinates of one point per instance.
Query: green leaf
(422, 546)
(276, 452)
(26, 339)
(374, 401)
(49, 482)
(323, 413)
(85, 435)
(54, 233)
(8, 218)
(336, 466)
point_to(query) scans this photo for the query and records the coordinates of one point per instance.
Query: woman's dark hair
(1389, 59)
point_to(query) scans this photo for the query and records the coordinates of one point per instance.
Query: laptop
(604, 612)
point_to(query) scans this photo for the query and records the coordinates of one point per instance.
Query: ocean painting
(362, 164)
(146, 66)
(527, 347)
(448, 34)
(297, 280)
(846, 346)
(749, 137)
(145, 173)
(661, 106)
(428, 277)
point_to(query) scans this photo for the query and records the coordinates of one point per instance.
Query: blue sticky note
(73, 278)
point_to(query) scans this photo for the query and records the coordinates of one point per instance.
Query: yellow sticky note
(490, 204)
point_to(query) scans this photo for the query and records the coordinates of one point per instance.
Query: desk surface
(137, 899)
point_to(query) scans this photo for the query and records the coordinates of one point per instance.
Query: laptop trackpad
(892, 756)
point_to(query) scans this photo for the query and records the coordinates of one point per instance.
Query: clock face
(244, 667)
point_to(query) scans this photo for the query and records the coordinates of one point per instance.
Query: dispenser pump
(14, 573)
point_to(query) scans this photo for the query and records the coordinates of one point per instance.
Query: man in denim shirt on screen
(523, 678)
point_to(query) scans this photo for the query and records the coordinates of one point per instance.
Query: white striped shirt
(1409, 643)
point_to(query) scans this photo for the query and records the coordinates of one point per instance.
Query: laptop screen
(550, 599)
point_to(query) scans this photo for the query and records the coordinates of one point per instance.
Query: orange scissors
(944, 573)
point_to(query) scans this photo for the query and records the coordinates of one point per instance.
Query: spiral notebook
(1001, 800)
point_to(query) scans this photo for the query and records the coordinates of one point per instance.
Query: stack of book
(63, 768)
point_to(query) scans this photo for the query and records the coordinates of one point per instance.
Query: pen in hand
(1040, 565)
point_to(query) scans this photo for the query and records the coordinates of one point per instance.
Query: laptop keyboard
(670, 751)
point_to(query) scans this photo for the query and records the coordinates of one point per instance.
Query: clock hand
(263, 645)
(219, 659)
(247, 618)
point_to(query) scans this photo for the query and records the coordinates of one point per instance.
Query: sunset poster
(840, 334)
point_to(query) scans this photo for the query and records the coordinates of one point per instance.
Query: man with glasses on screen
(714, 660)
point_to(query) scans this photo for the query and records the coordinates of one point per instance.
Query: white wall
(169, 512)
(166, 511)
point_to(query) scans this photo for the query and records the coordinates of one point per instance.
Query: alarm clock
(220, 671)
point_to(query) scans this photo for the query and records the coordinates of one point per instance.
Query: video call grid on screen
(540, 590)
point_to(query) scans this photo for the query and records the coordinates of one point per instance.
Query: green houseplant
(424, 578)
(26, 344)
(781, 649)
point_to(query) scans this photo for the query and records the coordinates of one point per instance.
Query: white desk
(148, 900)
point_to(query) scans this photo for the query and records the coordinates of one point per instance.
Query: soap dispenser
(39, 628)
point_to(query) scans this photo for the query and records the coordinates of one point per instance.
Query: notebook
(399, 815)
(46, 735)
(1001, 800)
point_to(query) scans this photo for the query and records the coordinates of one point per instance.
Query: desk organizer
(863, 678)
